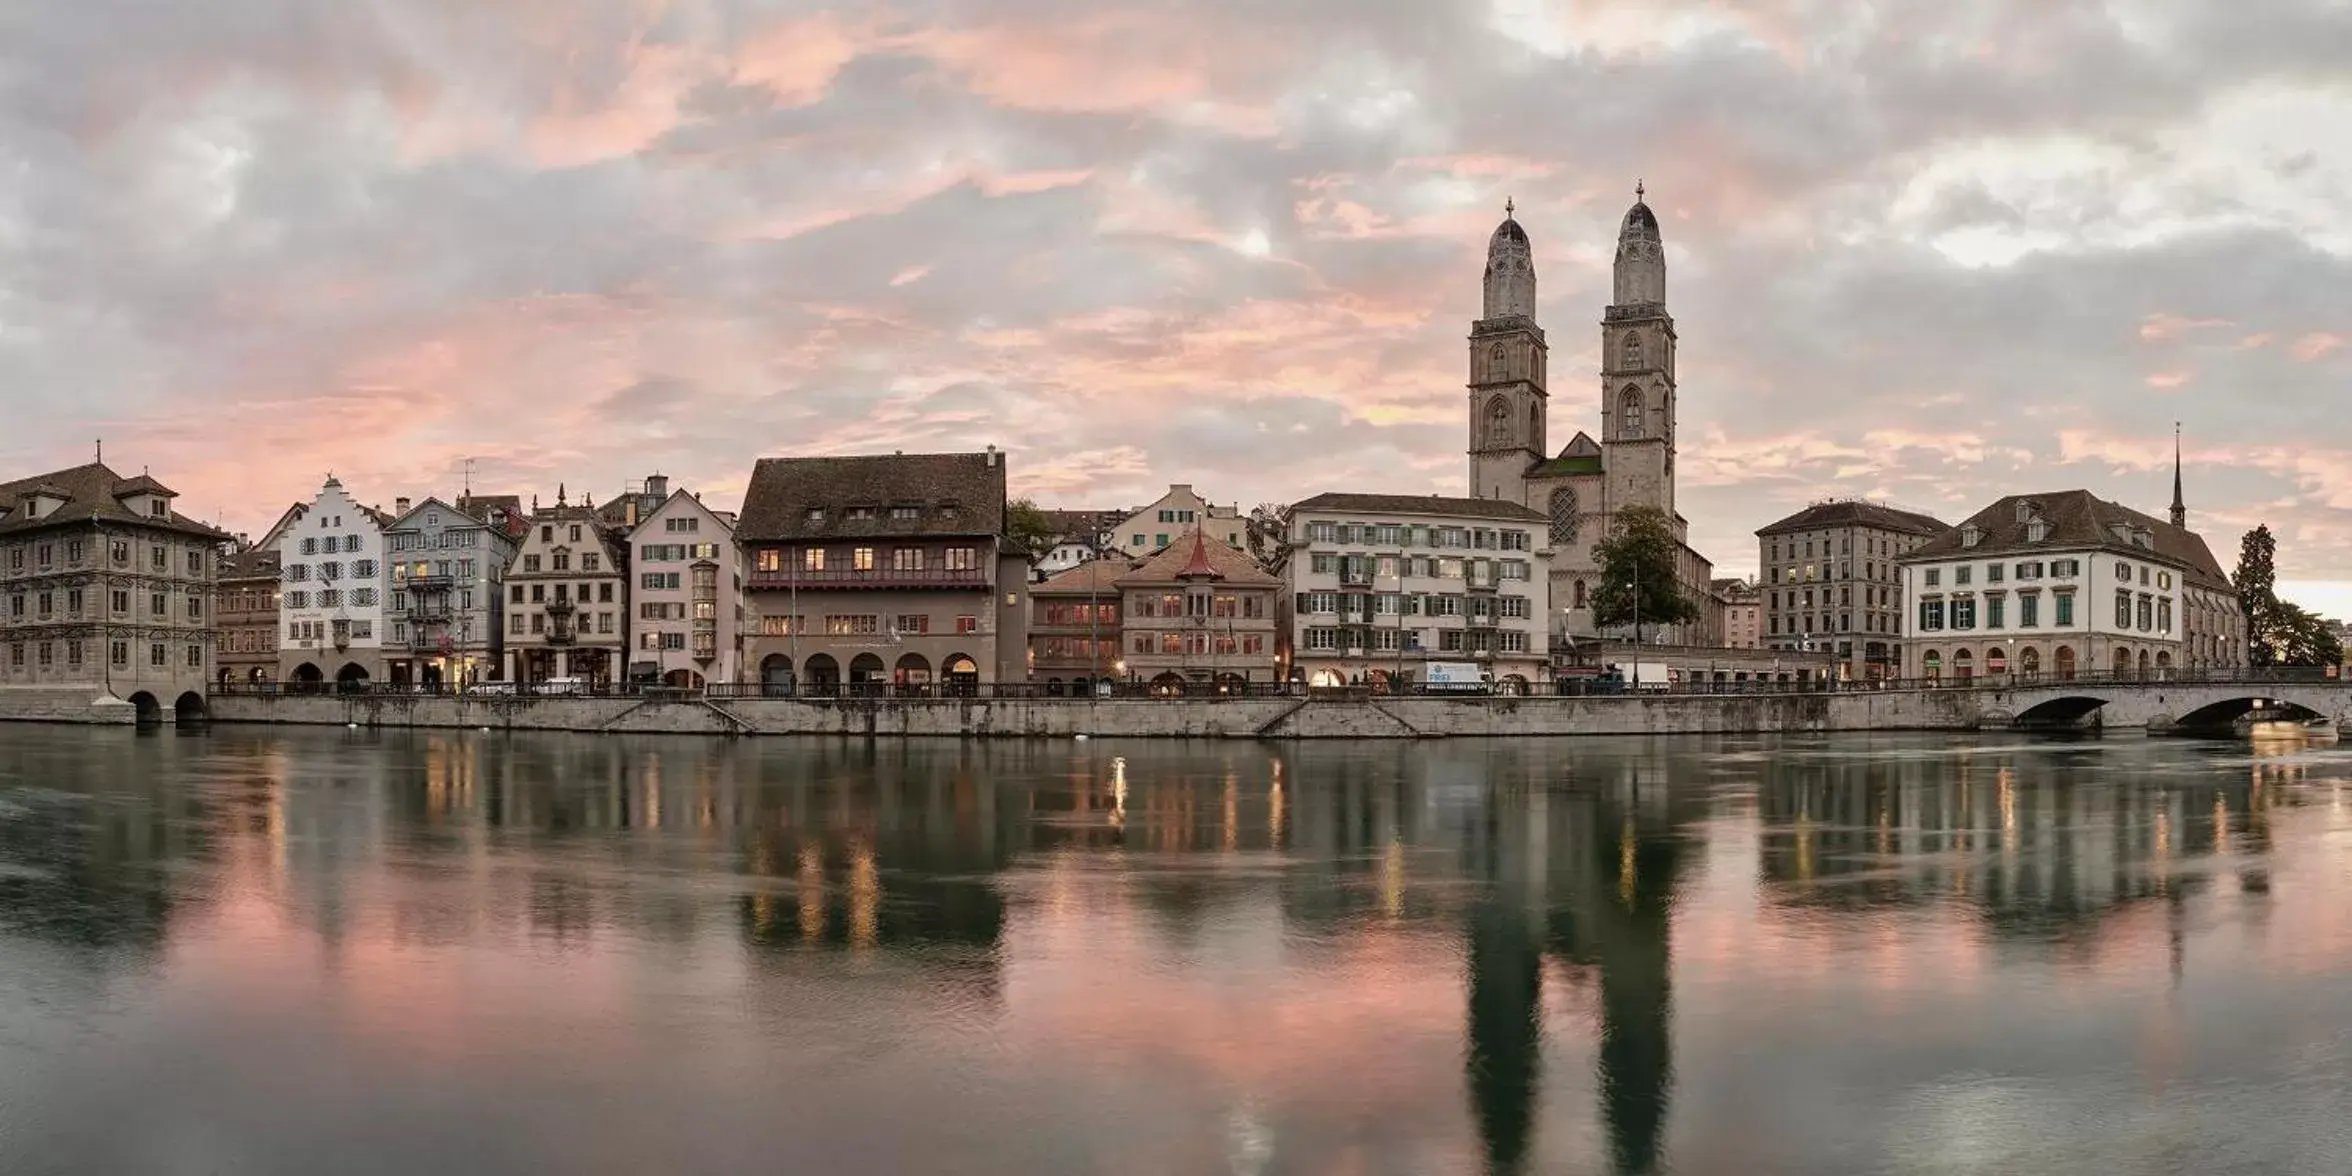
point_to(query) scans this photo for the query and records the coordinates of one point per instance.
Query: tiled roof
(1067, 524)
(255, 563)
(1855, 513)
(1089, 578)
(953, 493)
(1172, 564)
(1582, 455)
(92, 492)
(1419, 504)
(2077, 519)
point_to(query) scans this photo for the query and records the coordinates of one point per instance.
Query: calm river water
(264, 951)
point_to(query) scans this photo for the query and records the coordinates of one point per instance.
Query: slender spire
(2180, 509)
(1640, 191)
(1510, 208)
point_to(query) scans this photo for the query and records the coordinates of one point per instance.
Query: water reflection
(1628, 956)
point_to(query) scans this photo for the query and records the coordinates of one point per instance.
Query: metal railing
(1077, 689)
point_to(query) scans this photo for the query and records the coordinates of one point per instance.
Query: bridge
(2162, 704)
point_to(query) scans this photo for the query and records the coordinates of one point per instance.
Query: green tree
(2300, 638)
(1027, 530)
(2257, 584)
(1638, 584)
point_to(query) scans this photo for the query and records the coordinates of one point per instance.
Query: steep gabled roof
(954, 494)
(92, 493)
(1095, 576)
(2076, 519)
(1188, 556)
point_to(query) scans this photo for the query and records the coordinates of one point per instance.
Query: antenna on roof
(101, 458)
(467, 468)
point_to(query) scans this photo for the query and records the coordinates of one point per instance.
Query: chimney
(992, 457)
(400, 505)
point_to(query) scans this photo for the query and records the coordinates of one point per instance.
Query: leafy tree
(1268, 535)
(2297, 637)
(1026, 529)
(1638, 584)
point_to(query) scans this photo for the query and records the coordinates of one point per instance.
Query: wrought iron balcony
(560, 606)
(435, 583)
(561, 637)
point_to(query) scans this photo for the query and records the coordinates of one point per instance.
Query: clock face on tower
(1564, 515)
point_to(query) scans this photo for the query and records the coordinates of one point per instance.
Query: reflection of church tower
(1637, 370)
(1507, 398)
(1506, 1031)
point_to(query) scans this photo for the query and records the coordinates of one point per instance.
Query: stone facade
(1380, 585)
(567, 599)
(688, 614)
(245, 618)
(446, 624)
(1830, 584)
(1743, 614)
(105, 590)
(1581, 489)
(885, 572)
(331, 601)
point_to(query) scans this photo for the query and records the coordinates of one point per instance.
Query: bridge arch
(2228, 711)
(2063, 711)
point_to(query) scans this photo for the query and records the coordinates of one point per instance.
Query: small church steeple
(2180, 508)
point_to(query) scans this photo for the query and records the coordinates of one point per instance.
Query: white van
(561, 686)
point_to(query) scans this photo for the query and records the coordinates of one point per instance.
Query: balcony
(562, 637)
(1360, 577)
(424, 583)
(428, 614)
(559, 607)
(1484, 621)
(835, 578)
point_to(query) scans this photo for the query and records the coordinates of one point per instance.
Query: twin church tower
(1581, 488)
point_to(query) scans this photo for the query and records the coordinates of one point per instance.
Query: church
(1583, 486)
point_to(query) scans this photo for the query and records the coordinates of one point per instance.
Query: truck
(1643, 677)
(1455, 678)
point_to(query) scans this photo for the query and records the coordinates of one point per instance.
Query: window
(1993, 609)
(1960, 576)
(2029, 608)
(912, 624)
(2062, 608)
(195, 657)
(851, 625)
(2147, 613)
(861, 559)
(2123, 571)
(967, 624)
(1930, 577)
(813, 559)
(2123, 609)
(962, 559)
(1993, 573)
(1931, 615)
(155, 655)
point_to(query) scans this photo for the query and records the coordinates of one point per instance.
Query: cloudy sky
(1928, 252)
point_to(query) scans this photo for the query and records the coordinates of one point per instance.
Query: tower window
(1633, 351)
(1629, 413)
(1496, 362)
(1498, 418)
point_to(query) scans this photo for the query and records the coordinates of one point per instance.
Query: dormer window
(816, 514)
(906, 513)
(1971, 535)
(156, 508)
(2036, 530)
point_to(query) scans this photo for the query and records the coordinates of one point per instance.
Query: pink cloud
(2162, 327)
(2315, 346)
(2171, 379)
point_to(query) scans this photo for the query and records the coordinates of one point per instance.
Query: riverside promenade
(2166, 705)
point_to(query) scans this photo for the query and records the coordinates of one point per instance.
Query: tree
(1638, 583)
(2257, 584)
(1268, 535)
(2300, 638)
(1027, 530)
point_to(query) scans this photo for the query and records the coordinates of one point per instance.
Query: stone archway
(2062, 662)
(2029, 662)
(824, 674)
(148, 710)
(912, 674)
(775, 671)
(188, 709)
(1963, 665)
(2122, 661)
(960, 674)
(1996, 662)
(1931, 665)
(352, 678)
(865, 674)
(308, 677)
(1168, 684)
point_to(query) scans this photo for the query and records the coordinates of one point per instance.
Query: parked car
(499, 688)
(561, 686)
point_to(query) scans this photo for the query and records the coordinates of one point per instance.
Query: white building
(331, 610)
(687, 604)
(1382, 584)
(1079, 536)
(1155, 525)
(2060, 585)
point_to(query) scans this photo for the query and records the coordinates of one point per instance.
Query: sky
(1926, 252)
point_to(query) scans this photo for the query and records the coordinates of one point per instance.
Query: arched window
(1580, 594)
(1497, 361)
(1633, 351)
(1534, 425)
(1498, 420)
(1629, 413)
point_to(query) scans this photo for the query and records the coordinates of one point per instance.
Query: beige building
(1743, 614)
(688, 611)
(567, 599)
(245, 618)
(2063, 585)
(1199, 616)
(882, 571)
(1380, 585)
(1581, 489)
(105, 588)
(1831, 586)
(1154, 526)
(1074, 629)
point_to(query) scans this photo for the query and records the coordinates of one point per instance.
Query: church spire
(2180, 509)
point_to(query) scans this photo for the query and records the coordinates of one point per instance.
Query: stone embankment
(49, 704)
(1225, 718)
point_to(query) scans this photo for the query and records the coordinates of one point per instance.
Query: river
(275, 951)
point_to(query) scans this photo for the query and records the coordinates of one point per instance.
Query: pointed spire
(2180, 508)
(1199, 567)
(1640, 191)
(1510, 209)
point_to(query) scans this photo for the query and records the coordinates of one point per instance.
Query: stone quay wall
(54, 704)
(1236, 718)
